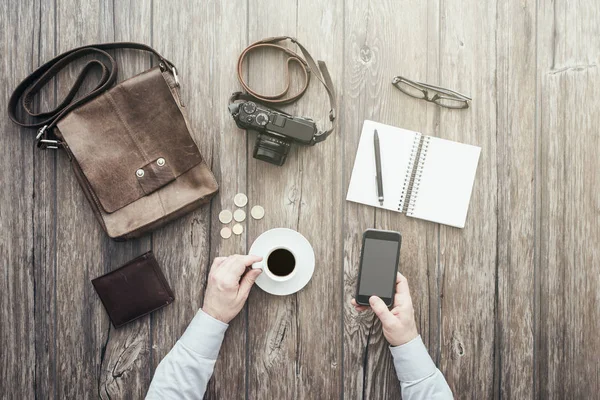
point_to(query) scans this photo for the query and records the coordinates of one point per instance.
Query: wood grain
(18, 277)
(516, 166)
(373, 54)
(357, 90)
(272, 320)
(227, 41)
(467, 257)
(406, 35)
(44, 227)
(508, 306)
(568, 77)
(319, 344)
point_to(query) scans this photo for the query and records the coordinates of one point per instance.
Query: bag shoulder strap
(21, 100)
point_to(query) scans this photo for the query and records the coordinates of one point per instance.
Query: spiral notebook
(423, 176)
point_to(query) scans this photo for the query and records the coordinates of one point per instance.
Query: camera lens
(271, 149)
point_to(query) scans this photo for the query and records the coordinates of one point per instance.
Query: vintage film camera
(276, 129)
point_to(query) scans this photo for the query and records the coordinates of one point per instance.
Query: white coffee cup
(264, 265)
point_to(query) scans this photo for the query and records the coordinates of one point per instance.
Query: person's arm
(418, 375)
(186, 370)
(419, 378)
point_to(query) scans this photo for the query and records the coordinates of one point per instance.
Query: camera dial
(249, 107)
(262, 119)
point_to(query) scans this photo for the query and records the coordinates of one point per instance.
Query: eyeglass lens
(451, 103)
(410, 89)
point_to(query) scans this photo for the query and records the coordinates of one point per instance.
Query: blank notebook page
(396, 145)
(446, 182)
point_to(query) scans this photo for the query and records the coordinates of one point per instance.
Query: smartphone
(378, 268)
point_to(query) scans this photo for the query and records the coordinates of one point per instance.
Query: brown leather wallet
(133, 290)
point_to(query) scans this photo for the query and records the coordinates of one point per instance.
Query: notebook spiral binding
(410, 189)
(407, 185)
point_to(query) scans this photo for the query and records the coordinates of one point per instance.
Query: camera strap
(308, 65)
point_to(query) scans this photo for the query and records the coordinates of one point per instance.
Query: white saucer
(305, 260)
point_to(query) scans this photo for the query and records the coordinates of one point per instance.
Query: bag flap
(131, 140)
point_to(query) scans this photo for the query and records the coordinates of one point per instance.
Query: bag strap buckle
(44, 143)
(174, 71)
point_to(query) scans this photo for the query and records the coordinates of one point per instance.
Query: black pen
(378, 168)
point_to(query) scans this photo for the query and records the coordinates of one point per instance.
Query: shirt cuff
(412, 361)
(204, 335)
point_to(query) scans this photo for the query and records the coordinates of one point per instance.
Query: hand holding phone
(380, 286)
(399, 326)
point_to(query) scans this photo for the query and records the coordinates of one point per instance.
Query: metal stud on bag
(139, 173)
(160, 162)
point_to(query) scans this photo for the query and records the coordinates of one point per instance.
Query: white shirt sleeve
(418, 375)
(186, 370)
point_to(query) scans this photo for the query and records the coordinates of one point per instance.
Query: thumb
(248, 280)
(381, 310)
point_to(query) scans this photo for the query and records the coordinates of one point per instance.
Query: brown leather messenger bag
(130, 144)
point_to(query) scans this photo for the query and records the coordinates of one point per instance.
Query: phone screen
(379, 263)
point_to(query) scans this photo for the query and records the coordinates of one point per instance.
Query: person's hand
(399, 325)
(229, 286)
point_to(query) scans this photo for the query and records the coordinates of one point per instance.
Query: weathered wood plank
(44, 227)
(360, 65)
(516, 164)
(319, 305)
(184, 34)
(403, 44)
(272, 320)
(569, 295)
(125, 370)
(433, 287)
(222, 48)
(17, 281)
(467, 257)
(379, 49)
(82, 325)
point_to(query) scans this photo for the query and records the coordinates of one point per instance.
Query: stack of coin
(239, 215)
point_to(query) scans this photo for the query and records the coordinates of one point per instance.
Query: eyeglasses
(434, 94)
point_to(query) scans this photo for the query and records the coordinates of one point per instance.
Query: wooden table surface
(508, 307)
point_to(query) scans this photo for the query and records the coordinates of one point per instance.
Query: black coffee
(281, 262)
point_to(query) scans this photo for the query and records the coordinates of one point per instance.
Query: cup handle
(257, 265)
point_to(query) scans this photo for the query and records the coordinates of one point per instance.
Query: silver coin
(226, 233)
(239, 215)
(240, 200)
(257, 212)
(237, 229)
(225, 216)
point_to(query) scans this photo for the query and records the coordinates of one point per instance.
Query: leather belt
(308, 64)
(21, 100)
